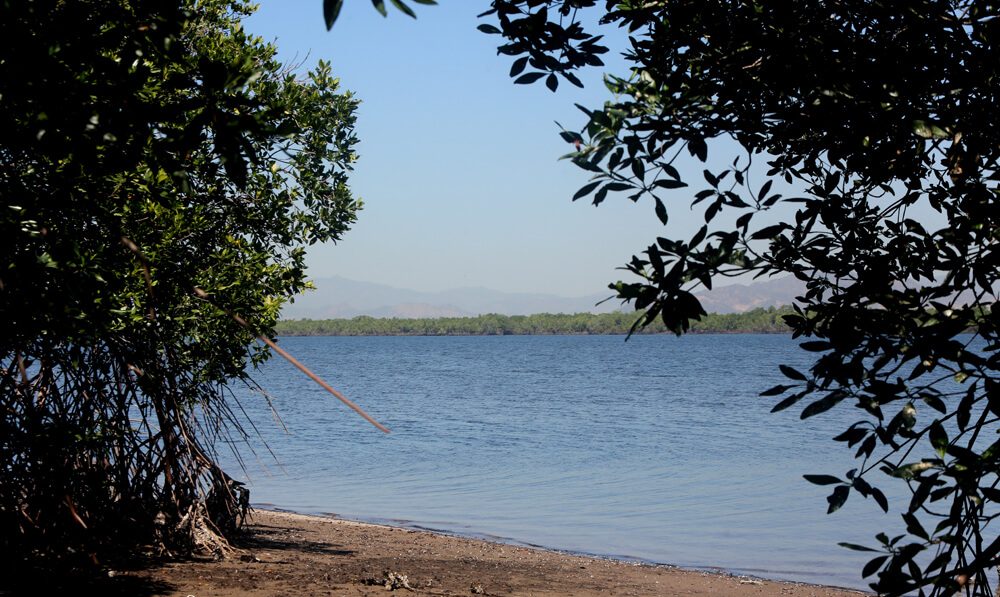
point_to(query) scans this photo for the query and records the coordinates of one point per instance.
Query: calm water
(657, 449)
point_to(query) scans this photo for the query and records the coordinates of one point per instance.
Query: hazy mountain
(338, 297)
(737, 298)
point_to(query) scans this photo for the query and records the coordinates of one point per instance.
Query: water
(657, 449)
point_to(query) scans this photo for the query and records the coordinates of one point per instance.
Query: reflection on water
(657, 449)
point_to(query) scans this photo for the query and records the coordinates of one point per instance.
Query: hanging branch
(204, 296)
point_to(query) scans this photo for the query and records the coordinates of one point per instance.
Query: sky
(459, 168)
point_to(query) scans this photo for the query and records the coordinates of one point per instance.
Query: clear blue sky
(459, 168)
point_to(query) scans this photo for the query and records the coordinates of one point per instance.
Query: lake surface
(657, 449)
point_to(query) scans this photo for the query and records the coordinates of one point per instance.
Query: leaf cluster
(868, 170)
(331, 9)
(149, 149)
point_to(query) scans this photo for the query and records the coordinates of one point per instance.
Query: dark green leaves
(880, 115)
(823, 404)
(776, 390)
(880, 499)
(518, 65)
(698, 148)
(939, 438)
(914, 527)
(571, 137)
(331, 11)
(792, 373)
(816, 346)
(837, 498)
(769, 231)
(661, 211)
(822, 479)
(178, 153)
(586, 190)
(909, 471)
(787, 402)
(856, 547)
(528, 78)
(669, 183)
(873, 565)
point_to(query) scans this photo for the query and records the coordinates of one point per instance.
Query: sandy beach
(292, 554)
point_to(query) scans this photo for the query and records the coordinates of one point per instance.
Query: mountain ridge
(337, 297)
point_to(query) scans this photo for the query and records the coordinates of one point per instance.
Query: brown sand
(291, 554)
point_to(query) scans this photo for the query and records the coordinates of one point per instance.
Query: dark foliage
(159, 169)
(757, 321)
(880, 120)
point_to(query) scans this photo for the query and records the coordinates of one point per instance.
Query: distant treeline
(757, 321)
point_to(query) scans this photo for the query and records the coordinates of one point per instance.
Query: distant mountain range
(739, 298)
(337, 297)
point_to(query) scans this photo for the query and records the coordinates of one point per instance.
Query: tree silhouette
(160, 170)
(868, 142)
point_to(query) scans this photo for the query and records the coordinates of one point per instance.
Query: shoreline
(297, 554)
(409, 525)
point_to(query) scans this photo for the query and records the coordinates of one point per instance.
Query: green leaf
(769, 231)
(528, 78)
(667, 183)
(837, 498)
(822, 479)
(939, 438)
(909, 471)
(380, 7)
(699, 237)
(816, 346)
(571, 137)
(914, 527)
(856, 547)
(936, 403)
(404, 8)
(792, 373)
(601, 194)
(880, 499)
(776, 390)
(929, 130)
(764, 190)
(572, 79)
(618, 186)
(964, 411)
(492, 30)
(518, 66)
(586, 190)
(661, 211)
(791, 400)
(823, 404)
(698, 148)
(552, 82)
(702, 195)
(331, 10)
(873, 566)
